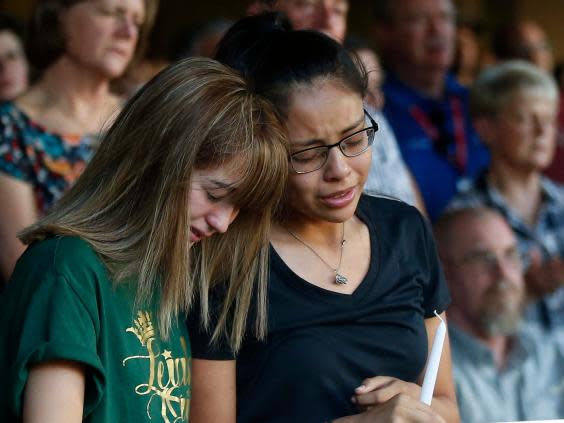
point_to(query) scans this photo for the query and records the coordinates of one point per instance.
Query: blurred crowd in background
(471, 133)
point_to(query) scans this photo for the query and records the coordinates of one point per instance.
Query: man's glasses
(486, 261)
(314, 158)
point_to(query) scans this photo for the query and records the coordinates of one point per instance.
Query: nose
(507, 269)
(325, 18)
(337, 166)
(221, 217)
(127, 28)
(323, 13)
(441, 24)
(543, 126)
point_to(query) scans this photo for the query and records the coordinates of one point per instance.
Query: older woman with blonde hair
(91, 328)
(48, 134)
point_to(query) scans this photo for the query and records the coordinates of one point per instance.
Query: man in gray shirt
(503, 370)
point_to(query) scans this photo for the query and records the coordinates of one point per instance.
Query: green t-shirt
(60, 304)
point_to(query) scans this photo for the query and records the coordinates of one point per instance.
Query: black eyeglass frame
(374, 126)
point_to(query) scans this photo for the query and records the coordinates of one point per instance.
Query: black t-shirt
(322, 344)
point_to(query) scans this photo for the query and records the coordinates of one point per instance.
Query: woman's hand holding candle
(383, 398)
(379, 389)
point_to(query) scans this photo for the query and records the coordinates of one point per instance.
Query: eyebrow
(314, 141)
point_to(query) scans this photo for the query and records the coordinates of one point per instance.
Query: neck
(499, 345)
(314, 233)
(521, 189)
(429, 82)
(73, 86)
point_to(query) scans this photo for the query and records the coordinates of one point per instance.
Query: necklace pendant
(340, 279)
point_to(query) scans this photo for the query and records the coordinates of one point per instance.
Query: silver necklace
(339, 278)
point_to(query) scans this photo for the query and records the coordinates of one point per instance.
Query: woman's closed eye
(309, 155)
(218, 194)
(356, 140)
(215, 196)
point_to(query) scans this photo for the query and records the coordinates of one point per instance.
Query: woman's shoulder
(385, 207)
(393, 219)
(56, 270)
(17, 126)
(67, 257)
(11, 115)
(61, 247)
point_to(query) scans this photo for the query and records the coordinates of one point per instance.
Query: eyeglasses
(486, 261)
(314, 158)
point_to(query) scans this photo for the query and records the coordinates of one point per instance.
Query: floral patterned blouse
(48, 161)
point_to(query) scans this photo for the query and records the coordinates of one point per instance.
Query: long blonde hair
(131, 202)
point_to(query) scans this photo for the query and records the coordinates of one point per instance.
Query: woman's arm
(213, 391)
(17, 210)
(54, 392)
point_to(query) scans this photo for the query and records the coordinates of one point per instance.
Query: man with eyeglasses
(503, 369)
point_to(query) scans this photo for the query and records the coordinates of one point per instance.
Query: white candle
(433, 363)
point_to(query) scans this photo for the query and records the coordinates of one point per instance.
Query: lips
(196, 235)
(339, 199)
(119, 52)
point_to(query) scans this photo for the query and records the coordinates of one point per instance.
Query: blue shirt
(436, 139)
(547, 234)
(529, 387)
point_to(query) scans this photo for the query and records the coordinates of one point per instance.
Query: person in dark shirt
(354, 280)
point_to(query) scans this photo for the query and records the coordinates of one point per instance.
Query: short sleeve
(436, 294)
(201, 338)
(14, 160)
(52, 323)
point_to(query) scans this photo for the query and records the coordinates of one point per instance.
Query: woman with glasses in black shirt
(354, 280)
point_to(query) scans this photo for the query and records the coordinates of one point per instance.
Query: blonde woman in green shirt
(91, 318)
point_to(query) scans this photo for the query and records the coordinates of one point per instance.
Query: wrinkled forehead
(484, 231)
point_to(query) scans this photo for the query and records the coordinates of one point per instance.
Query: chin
(114, 70)
(341, 214)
